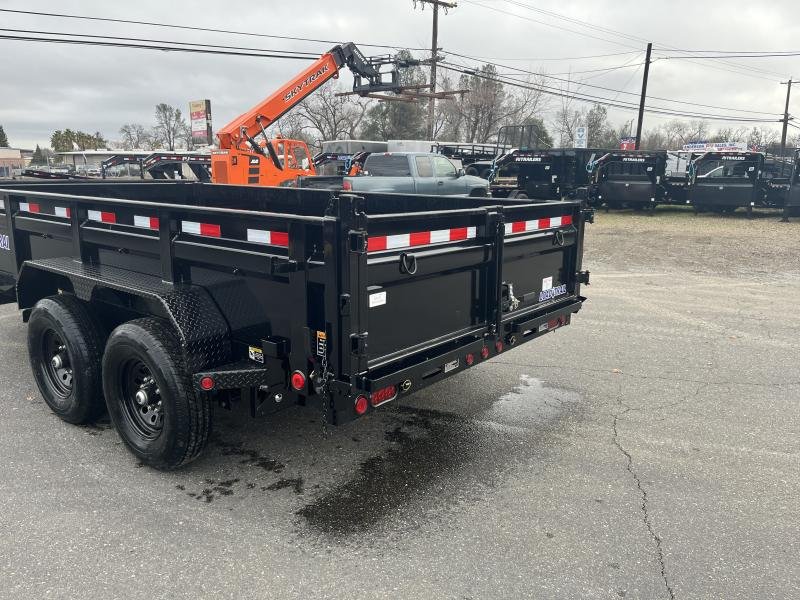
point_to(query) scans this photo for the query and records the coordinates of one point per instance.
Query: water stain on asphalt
(436, 460)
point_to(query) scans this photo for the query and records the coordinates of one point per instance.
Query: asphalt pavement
(649, 450)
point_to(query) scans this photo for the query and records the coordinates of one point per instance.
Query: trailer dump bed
(629, 178)
(273, 296)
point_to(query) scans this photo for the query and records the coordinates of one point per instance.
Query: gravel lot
(650, 450)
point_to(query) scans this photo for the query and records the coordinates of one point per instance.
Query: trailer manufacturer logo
(451, 366)
(322, 343)
(630, 159)
(552, 292)
(733, 157)
(4, 244)
(305, 83)
(255, 353)
(528, 159)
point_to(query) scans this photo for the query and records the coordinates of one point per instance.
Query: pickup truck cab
(406, 173)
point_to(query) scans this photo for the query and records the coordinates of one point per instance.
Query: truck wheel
(150, 397)
(65, 346)
(471, 171)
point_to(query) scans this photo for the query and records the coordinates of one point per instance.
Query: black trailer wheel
(150, 396)
(65, 347)
(471, 171)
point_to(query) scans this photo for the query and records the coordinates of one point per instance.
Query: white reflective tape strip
(141, 221)
(555, 221)
(25, 207)
(3, 204)
(259, 236)
(472, 233)
(62, 212)
(190, 227)
(440, 235)
(398, 241)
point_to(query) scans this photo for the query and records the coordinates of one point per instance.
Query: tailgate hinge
(582, 277)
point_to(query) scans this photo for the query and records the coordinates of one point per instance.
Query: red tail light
(207, 383)
(298, 381)
(485, 352)
(347, 186)
(498, 345)
(470, 359)
(361, 405)
(383, 395)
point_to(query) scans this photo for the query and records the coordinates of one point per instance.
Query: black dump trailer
(162, 301)
(724, 181)
(628, 178)
(546, 174)
(791, 207)
(477, 159)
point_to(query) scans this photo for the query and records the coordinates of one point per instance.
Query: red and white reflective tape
(102, 216)
(146, 222)
(205, 229)
(419, 238)
(537, 224)
(30, 207)
(62, 211)
(272, 238)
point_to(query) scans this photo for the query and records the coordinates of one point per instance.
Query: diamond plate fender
(202, 329)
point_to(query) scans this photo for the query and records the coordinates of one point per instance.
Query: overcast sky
(52, 86)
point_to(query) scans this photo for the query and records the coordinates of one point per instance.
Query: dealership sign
(716, 146)
(200, 122)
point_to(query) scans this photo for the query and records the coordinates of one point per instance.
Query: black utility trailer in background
(725, 181)
(170, 298)
(628, 178)
(547, 174)
(477, 159)
(791, 207)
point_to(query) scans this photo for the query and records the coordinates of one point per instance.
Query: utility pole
(434, 55)
(788, 85)
(644, 95)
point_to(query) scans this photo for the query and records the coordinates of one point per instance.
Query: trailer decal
(272, 238)
(419, 238)
(4, 243)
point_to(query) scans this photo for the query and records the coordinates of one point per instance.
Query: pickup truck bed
(268, 296)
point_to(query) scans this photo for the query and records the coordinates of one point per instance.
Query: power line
(628, 36)
(608, 89)
(309, 55)
(190, 28)
(561, 58)
(162, 47)
(599, 99)
(545, 23)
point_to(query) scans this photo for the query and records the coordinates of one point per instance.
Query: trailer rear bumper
(435, 365)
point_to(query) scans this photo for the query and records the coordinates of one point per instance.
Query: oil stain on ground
(436, 460)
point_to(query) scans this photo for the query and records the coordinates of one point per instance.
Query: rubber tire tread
(160, 339)
(84, 334)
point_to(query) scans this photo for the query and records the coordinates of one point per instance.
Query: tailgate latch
(358, 242)
(358, 343)
(582, 277)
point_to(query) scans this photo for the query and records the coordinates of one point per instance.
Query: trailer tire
(61, 329)
(471, 171)
(150, 396)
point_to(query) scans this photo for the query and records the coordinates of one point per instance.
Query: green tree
(38, 156)
(3, 138)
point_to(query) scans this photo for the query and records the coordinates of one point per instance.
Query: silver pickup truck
(405, 173)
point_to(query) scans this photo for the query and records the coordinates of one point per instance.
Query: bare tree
(135, 136)
(331, 116)
(170, 125)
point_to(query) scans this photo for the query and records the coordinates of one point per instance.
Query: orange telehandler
(243, 159)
